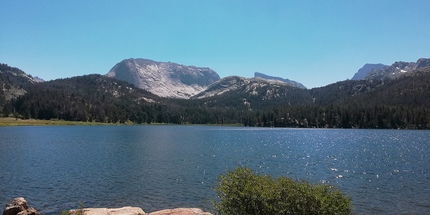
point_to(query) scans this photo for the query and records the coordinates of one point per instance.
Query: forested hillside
(103, 99)
(399, 103)
(12, 83)
(83, 98)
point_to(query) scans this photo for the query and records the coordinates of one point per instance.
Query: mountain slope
(401, 102)
(238, 92)
(13, 82)
(411, 89)
(247, 85)
(397, 69)
(84, 98)
(364, 71)
(164, 79)
(294, 83)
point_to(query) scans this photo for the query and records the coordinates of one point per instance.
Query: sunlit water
(159, 167)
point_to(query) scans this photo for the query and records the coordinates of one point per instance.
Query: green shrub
(243, 192)
(79, 211)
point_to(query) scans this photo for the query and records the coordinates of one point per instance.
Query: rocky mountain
(397, 69)
(239, 93)
(376, 103)
(364, 71)
(38, 80)
(13, 82)
(267, 88)
(164, 79)
(295, 83)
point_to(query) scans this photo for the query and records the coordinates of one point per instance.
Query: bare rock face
(164, 79)
(181, 211)
(18, 206)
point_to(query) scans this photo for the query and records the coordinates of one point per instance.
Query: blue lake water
(159, 167)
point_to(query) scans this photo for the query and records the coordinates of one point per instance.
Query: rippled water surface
(158, 167)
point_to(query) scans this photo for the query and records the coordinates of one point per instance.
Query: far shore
(11, 121)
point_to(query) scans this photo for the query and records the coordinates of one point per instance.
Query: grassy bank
(10, 121)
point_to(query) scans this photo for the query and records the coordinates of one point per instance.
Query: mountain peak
(294, 83)
(397, 69)
(165, 79)
(363, 71)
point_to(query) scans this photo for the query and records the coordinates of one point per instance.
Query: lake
(157, 167)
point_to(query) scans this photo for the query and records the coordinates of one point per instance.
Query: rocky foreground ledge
(19, 206)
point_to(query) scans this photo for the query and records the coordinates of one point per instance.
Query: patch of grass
(10, 121)
(79, 211)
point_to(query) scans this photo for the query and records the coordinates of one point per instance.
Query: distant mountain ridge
(246, 85)
(366, 69)
(164, 79)
(400, 102)
(397, 69)
(295, 83)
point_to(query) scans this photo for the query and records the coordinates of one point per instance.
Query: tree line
(396, 104)
(351, 116)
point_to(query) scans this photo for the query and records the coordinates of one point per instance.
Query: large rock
(181, 211)
(137, 211)
(18, 206)
(109, 211)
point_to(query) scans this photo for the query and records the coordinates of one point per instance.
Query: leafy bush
(243, 192)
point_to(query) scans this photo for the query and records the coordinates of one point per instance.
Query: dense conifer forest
(400, 103)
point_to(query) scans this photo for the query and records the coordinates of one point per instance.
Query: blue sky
(313, 42)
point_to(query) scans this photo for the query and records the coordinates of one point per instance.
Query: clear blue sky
(312, 42)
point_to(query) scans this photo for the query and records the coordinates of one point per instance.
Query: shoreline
(11, 121)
